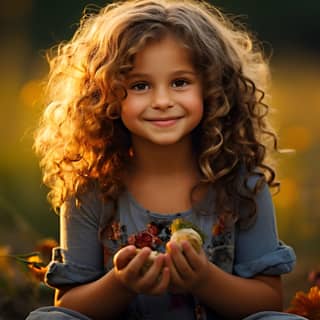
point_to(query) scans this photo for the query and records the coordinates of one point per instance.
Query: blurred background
(290, 33)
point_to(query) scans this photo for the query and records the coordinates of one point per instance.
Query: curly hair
(81, 139)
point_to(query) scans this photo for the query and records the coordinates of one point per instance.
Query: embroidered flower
(143, 239)
(113, 231)
(223, 225)
(219, 227)
(306, 304)
(132, 239)
(153, 228)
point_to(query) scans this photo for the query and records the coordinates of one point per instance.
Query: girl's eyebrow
(173, 74)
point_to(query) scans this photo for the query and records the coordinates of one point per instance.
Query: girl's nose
(162, 99)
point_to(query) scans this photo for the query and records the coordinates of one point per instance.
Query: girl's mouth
(164, 122)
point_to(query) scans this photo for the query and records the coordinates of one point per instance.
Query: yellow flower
(38, 263)
(306, 304)
(37, 267)
(45, 246)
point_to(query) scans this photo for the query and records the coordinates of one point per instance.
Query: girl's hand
(188, 269)
(129, 270)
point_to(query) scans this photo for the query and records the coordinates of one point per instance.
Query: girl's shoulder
(249, 179)
(89, 205)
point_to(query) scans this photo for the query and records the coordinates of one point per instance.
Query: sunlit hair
(81, 139)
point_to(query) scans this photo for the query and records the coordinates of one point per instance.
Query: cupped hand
(188, 268)
(129, 270)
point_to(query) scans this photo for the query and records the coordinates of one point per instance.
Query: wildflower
(179, 223)
(37, 267)
(36, 262)
(184, 230)
(306, 304)
(190, 235)
(44, 247)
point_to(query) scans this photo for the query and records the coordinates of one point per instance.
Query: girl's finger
(163, 283)
(193, 258)
(180, 262)
(124, 256)
(174, 275)
(135, 266)
(152, 275)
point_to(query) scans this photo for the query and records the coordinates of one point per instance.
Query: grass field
(26, 216)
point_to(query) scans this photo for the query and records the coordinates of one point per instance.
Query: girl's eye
(140, 86)
(180, 83)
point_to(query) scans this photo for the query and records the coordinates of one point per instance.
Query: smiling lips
(166, 122)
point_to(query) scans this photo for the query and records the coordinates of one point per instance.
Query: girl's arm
(104, 298)
(78, 264)
(109, 296)
(232, 296)
(239, 297)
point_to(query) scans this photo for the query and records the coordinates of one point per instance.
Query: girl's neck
(161, 178)
(162, 160)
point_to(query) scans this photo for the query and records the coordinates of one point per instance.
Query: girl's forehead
(168, 50)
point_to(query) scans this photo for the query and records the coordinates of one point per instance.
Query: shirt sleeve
(79, 259)
(258, 249)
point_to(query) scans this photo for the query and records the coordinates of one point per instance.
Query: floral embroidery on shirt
(147, 238)
(116, 233)
(155, 236)
(115, 237)
(219, 227)
(220, 250)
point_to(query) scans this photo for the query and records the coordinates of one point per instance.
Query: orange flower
(219, 227)
(306, 304)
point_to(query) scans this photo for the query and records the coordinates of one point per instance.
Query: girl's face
(164, 102)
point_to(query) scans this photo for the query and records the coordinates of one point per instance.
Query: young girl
(155, 112)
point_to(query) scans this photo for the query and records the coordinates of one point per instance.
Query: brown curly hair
(81, 139)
